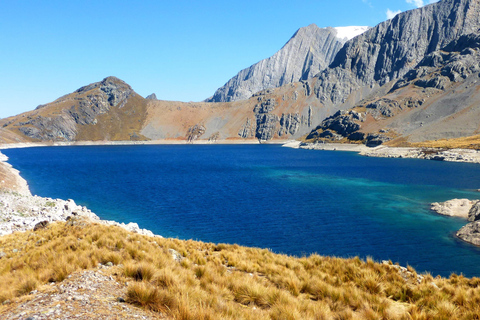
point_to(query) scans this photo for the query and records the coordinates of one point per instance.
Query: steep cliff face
(310, 50)
(389, 50)
(438, 99)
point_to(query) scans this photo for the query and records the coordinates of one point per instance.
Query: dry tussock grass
(472, 142)
(230, 281)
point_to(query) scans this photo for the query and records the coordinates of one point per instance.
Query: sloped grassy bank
(195, 280)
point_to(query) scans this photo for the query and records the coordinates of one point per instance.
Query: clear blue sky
(180, 50)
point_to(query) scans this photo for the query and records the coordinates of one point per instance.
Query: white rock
(453, 208)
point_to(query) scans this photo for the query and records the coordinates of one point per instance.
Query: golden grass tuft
(229, 281)
(140, 271)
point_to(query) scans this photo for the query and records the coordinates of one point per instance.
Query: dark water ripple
(291, 201)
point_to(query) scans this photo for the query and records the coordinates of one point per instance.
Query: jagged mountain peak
(309, 50)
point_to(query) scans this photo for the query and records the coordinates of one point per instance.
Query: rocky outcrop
(385, 108)
(100, 97)
(470, 233)
(474, 212)
(289, 124)
(375, 139)
(310, 50)
(343, 124)
(152, 96)
(59, 128)
(247, 130)
(195, 132)
(266, 122)
(454, 208)
(25, 212)
(453, 63)
(466, 209)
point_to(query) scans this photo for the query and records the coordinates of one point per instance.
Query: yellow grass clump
(472, 142)
(208, 281)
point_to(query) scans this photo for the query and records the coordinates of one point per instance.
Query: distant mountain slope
(105, 110)
(310, 50)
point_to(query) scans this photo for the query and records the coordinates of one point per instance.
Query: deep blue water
(291, 201)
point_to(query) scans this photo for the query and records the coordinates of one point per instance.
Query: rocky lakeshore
(452, 155)
(466, 209)
(21, 211)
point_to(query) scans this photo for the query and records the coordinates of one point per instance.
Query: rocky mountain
(438, 99)
(407, 80)
(368, 66)
(310, 50)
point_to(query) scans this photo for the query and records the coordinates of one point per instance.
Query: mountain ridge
(400, 68)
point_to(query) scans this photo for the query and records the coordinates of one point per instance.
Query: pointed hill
(105, 110)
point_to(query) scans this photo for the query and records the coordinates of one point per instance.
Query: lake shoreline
(437, 154)
(128, 143)
(450, 155)
(22, 211)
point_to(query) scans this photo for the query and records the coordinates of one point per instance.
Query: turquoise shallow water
(291, 201)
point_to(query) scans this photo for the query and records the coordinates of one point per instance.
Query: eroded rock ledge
(24, 212)
(466, 209)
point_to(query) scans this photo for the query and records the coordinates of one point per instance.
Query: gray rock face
(389, 50)
(247, 130)
(60, 128)
(385, 108)
(266, 122)
(310, 50)
(289, 124)
(474, 213)
(453, 63)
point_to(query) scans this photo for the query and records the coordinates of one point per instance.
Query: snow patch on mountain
(347, 33)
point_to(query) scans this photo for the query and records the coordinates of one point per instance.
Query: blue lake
(291, 201)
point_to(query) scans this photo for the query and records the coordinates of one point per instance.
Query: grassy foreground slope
(194, 280)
